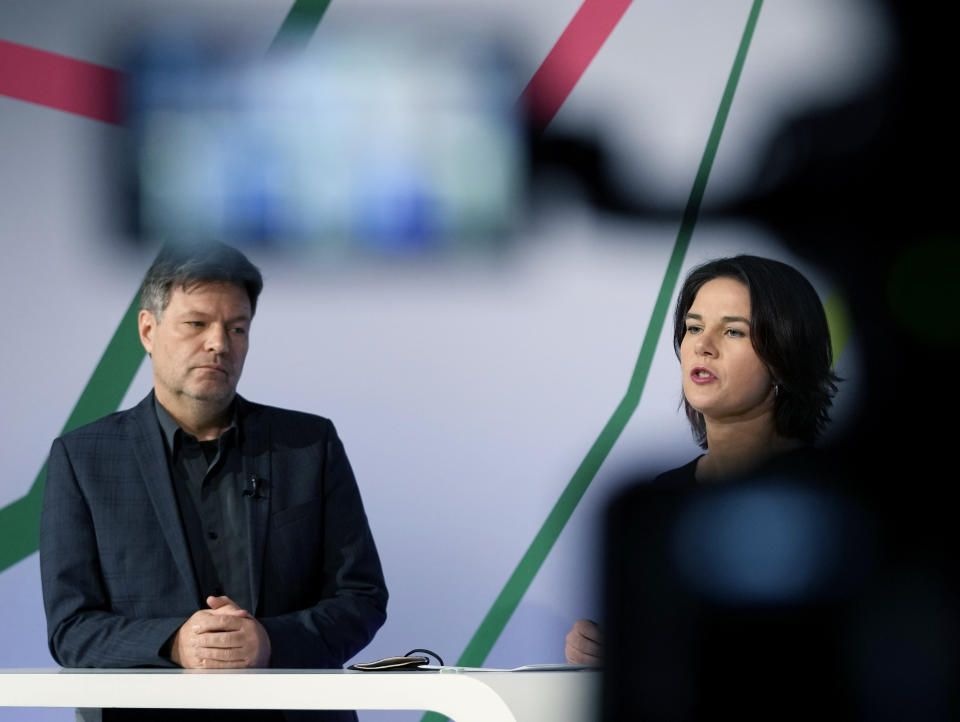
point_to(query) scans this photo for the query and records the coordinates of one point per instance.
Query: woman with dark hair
(756, 369)
(756, 364)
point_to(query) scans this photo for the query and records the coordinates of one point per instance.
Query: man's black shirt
(209, 481)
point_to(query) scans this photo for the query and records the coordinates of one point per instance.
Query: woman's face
(723, 378)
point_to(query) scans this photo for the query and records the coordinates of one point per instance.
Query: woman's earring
(776, 389)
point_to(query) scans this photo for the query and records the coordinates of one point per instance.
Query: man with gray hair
(199, 529)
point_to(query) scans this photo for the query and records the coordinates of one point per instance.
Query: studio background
(467, 388)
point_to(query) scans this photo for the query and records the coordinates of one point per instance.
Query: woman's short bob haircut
(788, 330)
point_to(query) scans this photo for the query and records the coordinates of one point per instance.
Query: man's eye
(239, 330)
(195, 324)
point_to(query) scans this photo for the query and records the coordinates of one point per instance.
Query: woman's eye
(693, 329)
(735, 333)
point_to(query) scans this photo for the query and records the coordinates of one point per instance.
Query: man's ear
(147, 324)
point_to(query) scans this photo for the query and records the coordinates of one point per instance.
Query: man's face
(199, 345)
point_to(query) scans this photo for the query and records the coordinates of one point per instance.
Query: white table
(563, 696)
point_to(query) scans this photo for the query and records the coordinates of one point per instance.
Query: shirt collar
(170, 427)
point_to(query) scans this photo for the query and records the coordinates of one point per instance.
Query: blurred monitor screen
(364, 140)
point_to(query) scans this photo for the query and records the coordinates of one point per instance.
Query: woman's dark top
(804, 457)
(681, 476)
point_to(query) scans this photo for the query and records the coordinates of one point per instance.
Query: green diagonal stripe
(20, 520)
(298, 26)
(506, 603)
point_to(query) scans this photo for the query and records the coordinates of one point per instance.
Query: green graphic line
(506, 603)
(20, 521)
(111, 379)
(299, 25)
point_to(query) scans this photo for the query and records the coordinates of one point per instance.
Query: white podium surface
(561, 696)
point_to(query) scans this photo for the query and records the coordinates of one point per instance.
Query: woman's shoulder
(802, 459)
(682, 475)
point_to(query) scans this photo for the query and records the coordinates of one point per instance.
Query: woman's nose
(705, 346)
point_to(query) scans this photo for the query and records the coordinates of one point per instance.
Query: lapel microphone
(252, 488)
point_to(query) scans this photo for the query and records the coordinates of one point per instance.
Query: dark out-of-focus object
(793, 594)
(372, 140)
(832, 591)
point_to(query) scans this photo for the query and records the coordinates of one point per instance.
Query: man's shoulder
(109, 426)
(289, 420)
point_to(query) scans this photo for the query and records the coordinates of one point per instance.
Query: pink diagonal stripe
(569, 58)
(57, 81)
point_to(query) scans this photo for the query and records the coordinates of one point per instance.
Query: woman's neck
(736, 448)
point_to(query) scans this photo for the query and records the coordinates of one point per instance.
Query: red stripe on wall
(57, 81)
(565, 64)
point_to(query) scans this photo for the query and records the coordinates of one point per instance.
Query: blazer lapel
(257, 478)
(152, 459)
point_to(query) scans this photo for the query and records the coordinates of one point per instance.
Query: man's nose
(217, 339)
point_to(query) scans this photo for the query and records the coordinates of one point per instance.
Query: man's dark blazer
(117, 574)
